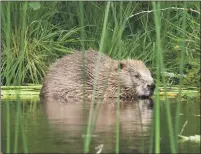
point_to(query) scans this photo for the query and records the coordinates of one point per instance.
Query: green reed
(161, 68)
(7, 127)
(89, 132)
(30, 42)
(120, 22)
(120, 14)
(82, 36)
(52, 31)
(181, 70)
(21, 75)
(158, 69)
(7, 32)
(22, 46)
(17, 125)
(6, 19)
(173, 135)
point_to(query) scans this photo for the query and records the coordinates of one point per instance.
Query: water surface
(54, 126)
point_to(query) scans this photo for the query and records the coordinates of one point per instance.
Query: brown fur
(105, 75)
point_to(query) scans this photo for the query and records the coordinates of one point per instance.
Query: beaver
(97, 75)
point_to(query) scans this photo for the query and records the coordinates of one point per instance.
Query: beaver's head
(136, 78)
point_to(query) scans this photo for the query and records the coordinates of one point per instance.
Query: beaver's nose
(151, 87)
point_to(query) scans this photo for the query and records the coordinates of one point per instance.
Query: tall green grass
(181, 70)
(52, 29)
(82, 36)
(158, 63)
(30, 41)
(89, 132)
(6, 14)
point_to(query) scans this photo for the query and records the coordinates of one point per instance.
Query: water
(54, 126)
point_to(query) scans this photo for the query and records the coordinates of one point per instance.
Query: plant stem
(86, 147)
(181, 70)
(158, 69)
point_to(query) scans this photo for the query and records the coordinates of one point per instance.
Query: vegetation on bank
(35, 34)
(30, 92)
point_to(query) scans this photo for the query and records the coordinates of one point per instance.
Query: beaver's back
(65, 76)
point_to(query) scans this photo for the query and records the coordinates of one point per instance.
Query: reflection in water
(134, 122)
(62, 131)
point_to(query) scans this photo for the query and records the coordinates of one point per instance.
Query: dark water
(55, 126)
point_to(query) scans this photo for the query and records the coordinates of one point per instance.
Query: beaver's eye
(137, 75)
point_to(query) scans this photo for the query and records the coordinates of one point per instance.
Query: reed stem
(158, 69)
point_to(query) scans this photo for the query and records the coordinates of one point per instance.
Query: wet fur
(65, 77)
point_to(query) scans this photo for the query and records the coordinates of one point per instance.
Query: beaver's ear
(121, 65)
(91, 49)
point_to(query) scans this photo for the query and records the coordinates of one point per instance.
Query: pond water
(54, 126)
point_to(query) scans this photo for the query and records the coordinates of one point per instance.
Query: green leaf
(34, 5)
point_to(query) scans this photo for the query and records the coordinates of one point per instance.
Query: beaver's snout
(151, 88)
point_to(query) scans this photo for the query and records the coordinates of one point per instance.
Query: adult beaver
(104, 77)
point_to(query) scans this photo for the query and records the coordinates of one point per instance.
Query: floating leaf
(195, 138)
